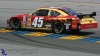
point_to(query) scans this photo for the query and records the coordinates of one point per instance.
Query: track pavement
(90, 44)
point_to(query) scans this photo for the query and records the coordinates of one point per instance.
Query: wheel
(15, 23)
(58, 27)
(75, 30)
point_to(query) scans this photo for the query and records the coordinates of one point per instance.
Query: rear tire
(15, 23)
(58, 27)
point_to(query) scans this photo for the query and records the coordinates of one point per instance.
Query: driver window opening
(41, 13)
(54, 13)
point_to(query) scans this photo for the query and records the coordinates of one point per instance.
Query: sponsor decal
(29, 22)
(48, 25)
(67, 25)
(24, 20)
(89, 26)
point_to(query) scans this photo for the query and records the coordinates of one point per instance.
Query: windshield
(69, 11)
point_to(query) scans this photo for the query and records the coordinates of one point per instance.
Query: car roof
(53, 7)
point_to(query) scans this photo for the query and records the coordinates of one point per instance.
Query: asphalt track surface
(9, 8)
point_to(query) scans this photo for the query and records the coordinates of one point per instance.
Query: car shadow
(82, 33)
(78, 33)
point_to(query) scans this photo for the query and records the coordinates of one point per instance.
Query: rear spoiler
(80, 15)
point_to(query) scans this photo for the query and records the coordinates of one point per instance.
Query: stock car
(57, 19)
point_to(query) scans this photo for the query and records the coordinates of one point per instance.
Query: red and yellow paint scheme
(57, 19)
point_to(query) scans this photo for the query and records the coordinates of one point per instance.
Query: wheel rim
(58, 27)
(15, 23)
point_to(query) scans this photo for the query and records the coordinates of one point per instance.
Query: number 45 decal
(38, 21)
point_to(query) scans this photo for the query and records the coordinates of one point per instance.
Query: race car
(57, 19)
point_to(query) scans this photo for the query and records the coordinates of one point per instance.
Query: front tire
(58, 27)
(15, 23)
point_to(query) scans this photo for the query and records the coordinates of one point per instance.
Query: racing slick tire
(15, 24)
(75, 30)
(58, 27)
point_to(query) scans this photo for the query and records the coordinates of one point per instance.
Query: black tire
(58, 27)
(75, 30)
(15, 24)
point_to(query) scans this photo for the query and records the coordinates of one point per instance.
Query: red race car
(57, 19)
